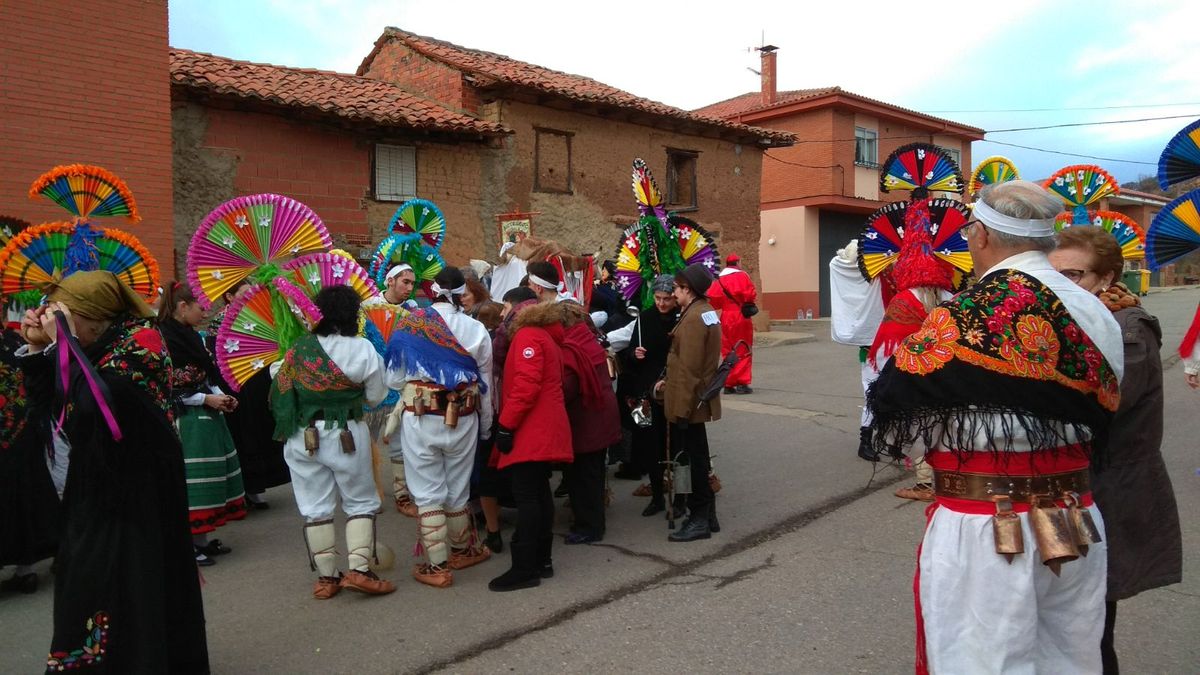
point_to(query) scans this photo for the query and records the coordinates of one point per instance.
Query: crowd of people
(1031, 403)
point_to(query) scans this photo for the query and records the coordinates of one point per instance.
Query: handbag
(749, 309)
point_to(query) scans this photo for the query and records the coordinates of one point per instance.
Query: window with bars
(866, 147)
(395, 172)
(681, 179)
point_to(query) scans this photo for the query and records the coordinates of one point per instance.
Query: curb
(782, 338)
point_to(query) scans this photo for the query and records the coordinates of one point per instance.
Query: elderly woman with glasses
(1133, 490)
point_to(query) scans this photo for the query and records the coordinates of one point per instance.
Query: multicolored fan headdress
(921, 238)
(1081, 186)
(1127, 232)
(991, 171)
(1175, 231)
(660, 243)
(417, 231)
(37, 256)
(1180, 160)
(257, 238)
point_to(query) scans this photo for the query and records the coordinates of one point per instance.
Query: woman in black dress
(127, 592)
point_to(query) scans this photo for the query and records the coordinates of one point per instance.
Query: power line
(1103, 107)
(1073, 154)
(1093, 124)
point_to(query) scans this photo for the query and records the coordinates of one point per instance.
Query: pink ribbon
(68, 348)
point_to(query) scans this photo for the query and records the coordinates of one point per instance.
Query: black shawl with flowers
(1003, 353)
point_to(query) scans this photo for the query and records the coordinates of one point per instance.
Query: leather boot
(320, 538)
(404, 502)
(545, 546)
(360, 541)
(714, 525)
(465, 550)
(865, 451)
(695, 527)
(525, 571)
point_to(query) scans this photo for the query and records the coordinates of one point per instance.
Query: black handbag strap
(726, 290)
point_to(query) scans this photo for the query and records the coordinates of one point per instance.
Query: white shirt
(475, 339)
(357, 358)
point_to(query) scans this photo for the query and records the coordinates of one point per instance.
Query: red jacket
(533, 405)
(587, 388)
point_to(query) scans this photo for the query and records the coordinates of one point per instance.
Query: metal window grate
(395, 172)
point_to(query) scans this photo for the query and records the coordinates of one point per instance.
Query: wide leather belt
(436, 398)
(1020, 489)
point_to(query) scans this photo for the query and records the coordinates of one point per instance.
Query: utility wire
(1103, 107)
(1093, 124)
(1073, 154)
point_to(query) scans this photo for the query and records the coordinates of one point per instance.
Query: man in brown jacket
(691, 364)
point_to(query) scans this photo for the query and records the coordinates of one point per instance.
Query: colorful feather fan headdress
(37, 256)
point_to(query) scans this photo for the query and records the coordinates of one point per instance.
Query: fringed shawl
(423, 343)
(1001, 364)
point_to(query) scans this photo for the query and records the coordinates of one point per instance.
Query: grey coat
(1133, 489)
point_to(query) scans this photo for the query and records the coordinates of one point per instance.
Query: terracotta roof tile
(352, 98)
(751, 102)
(491, 69)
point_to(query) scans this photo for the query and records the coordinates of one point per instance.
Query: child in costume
(317, 399)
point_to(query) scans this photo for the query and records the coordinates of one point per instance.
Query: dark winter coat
(587, 389)
(532, 389)
(1133, 490)
(692, 362)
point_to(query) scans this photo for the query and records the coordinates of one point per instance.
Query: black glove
(503, 440)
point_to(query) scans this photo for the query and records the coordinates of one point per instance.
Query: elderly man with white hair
(1010, 387)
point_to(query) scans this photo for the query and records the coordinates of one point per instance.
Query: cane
(670, 484)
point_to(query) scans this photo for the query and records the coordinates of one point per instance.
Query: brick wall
(395, 62)
(221, 153)
(86, 82)
(591, 218)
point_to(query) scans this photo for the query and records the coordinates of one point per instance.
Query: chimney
(768, 73)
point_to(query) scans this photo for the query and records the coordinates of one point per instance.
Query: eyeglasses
(1073, 274)
(969, 227)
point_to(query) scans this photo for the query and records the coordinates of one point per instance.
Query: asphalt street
(812, 572)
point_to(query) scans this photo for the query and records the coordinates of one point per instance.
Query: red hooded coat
(587, 388)
(533, 405)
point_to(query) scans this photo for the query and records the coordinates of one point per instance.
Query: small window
(866, 147)
(681, 179)
(954, 155)
(395, 173)
(552, 161)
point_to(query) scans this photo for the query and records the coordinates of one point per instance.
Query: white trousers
(438, 460)
(319, 479)
(984, 615)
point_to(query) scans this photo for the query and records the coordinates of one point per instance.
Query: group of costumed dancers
(1005, 362)
(126, 406)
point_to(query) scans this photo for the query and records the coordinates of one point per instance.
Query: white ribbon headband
(398, 269)
(447, 292)
(1019, 227)
(535, 279)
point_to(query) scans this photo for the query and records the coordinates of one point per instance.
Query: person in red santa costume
(732, 292)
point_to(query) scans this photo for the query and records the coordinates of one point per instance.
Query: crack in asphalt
(724, 580)
(672, 575)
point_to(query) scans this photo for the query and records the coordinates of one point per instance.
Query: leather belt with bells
(1020, 489)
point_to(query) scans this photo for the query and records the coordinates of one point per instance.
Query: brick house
(817, 193)
(351, 148)
(573, 143)
(64, 102)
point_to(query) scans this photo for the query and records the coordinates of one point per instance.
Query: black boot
(524, 573)
(714, 525)
(655, 506)
(865, 451)
(695, 527)
(546, 562)
(494, 542)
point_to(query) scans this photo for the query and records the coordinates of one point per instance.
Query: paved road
(812, 572)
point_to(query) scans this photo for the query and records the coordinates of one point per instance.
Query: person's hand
(639, 352)
(658, 387)
(230, 405)
(31, 329)
(504, 440)
(50, 323)
(1193, 380)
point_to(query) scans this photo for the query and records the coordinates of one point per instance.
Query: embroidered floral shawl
(310, 384)
(1001, 354)
(423, 342)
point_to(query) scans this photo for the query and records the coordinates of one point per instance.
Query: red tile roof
(751, 102)
(349, 97)
(488, 70)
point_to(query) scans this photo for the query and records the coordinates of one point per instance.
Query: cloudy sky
(1005, 65)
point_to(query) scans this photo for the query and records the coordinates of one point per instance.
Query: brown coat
(1133, 490)
(691, 364)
